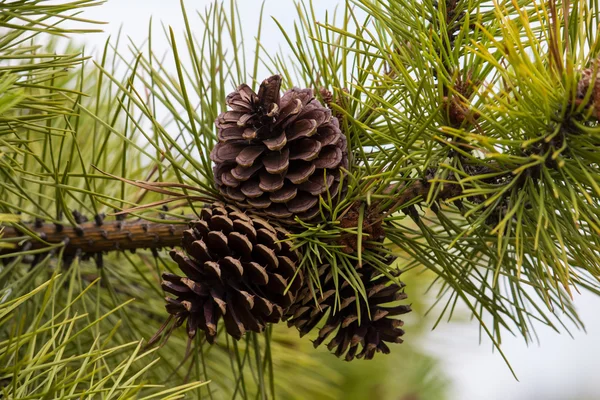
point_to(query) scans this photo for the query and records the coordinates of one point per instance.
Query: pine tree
(159, 232)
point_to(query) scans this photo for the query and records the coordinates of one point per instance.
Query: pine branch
(420, 188)
(91, 238)
(96, 237)
(407, 193)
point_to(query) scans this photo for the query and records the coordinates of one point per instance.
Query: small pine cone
(326, 95)
(237, 267)
(589, 79)
(375, 327)
(278, 155)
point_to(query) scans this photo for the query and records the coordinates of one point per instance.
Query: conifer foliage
(455, 137)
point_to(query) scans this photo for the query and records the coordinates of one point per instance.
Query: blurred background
(453, 361)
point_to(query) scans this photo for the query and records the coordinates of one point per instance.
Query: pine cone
(276, 155)
(587, 79)
(340, 102)
(237, 267)
(326, 95)
(372, 332)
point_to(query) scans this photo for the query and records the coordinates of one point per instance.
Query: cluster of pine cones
(277, 157)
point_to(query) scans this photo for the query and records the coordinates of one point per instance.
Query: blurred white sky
(559, 369)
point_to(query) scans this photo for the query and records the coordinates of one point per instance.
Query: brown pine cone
(371, 328)
(589, 79)
(278, 155)
(237, 267)
(326, 95)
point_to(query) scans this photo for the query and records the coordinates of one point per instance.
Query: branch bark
(408, 193)
(89, 238)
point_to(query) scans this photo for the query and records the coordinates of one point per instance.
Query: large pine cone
(237, 267)
(278, 155)
(375, 327)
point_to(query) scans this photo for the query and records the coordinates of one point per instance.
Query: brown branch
(407, 193)
(89, 238)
